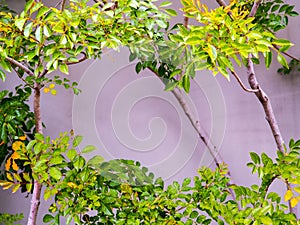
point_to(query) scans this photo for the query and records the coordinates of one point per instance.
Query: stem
(242, 84)
(195, 123)
(268, 109)
(287, 54)
(37, 187)
(20, 65)
(63, 5)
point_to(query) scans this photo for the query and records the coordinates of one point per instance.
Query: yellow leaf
(294, 202)
(15, 155)
(8, 164)
(288, 195)
(46, 90)
(15, 166)
(51, 86)
(53, 92)
(17, 145)
(23, 138)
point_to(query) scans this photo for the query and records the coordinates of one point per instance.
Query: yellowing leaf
(294, 202)
(51, 86)
(46, 90)
(17, 145)
(288, 195)
(23, 138)
(53, 92)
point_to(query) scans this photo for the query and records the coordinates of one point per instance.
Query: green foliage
(274, 15)
(16, 122)
(293, 66)
(223, 37)
(47, 39)
(9, 219)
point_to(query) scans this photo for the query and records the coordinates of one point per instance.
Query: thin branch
(194, 123)
(254, 8)
(287, 54)
(63, 4)
(20, 65)
(19, 75)
(221, 3)
(242, 84)
(79, 60)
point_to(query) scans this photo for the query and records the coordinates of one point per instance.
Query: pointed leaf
(88, 148)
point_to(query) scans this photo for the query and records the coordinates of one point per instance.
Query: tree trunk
(37, 187)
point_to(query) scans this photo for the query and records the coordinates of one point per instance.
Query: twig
(20, 65)
(254, 8)
(19, 75)
(79, 60)
(242, 84)
(63, 3)
(287, 54)
(221, 3)
(193, 122)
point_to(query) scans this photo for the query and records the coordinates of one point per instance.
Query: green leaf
(77, 140)
(186, 83)
(79, 163)
(171, 12)
(170, 86)
(268, 59)
(5, 65)
(138, 67)
(255, 158)
(38, 34)
(64, 68)
(71, 154)
(96, 160)
(165, 4)
(266, 220)
(282, 60)
(55, 173)
(282, 42)
(20, 23)
(193, 40)
(2, 75)
(47, 218)
(88, 148)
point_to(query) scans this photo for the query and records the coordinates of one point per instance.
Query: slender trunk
(37, 187)
(266, 104)
(270, 116)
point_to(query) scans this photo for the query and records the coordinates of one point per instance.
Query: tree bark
(37, 187)
(266, 104)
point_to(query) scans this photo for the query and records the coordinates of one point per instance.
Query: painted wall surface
(130, 116)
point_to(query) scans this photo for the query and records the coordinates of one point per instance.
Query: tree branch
(63, 3)
(287, 54)
(79, 61)
(19, 75)
(196, 125)
(254, 8)
(20, 65)
(221, 3)
(242, 84)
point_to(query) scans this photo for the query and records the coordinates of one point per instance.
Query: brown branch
(221, 3)
(79, 60)
(63, 3)
(20, 65)
(242, 84)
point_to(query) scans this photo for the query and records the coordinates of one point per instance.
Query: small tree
(41, 40)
